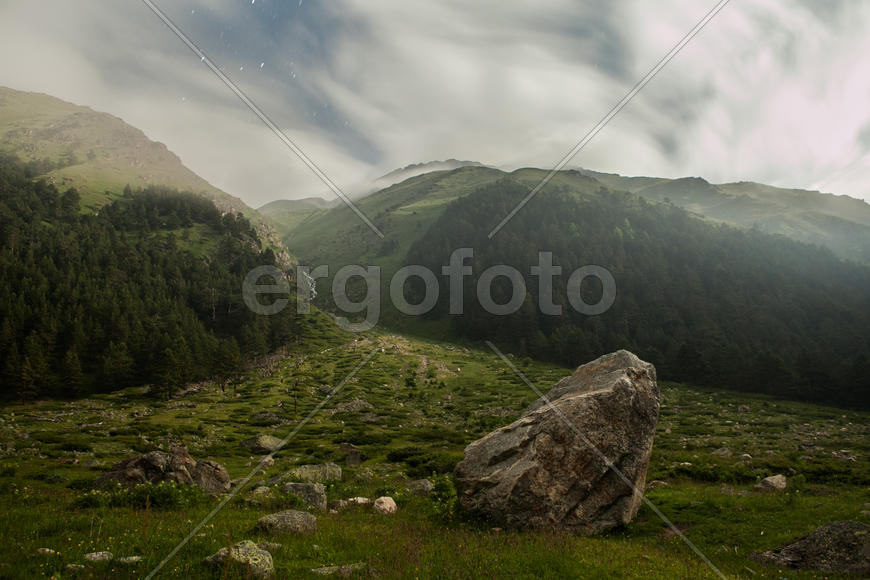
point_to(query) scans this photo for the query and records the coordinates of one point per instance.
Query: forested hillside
(149, 290)
(707, 304)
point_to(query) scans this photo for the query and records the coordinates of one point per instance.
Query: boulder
(577, 463)
(385, 505)
(835, 547)
(261, 444)
(345, 570)
(421, 487)
(315, 473)
(157, 466)
(99, 557)
(313, 494)
(289, 521)
(776, 482)
(256, 562)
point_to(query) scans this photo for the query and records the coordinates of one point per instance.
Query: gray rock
(261, 444)
(256, 562)
(656, 483)
(835, 547)
(99, 557)
(270, 546)
(385, 505)
(265, 418)
(421, 487)
(313, 494)
(776, 482)
(353, 406)
(345, 570)
(289, 521)
(316, 473)
(538, 472)
(722, 452)
(129, 560)
(157, 466)
(46, 552)
(74, 567)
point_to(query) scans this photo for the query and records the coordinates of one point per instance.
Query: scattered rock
(157, 466)
(385, 505)
(345, 570)
(289, 521)
(256, 561)
(834, 547)
(265, 419)
(421, 487)
(261, 491)
(261, 444)
(353, 406)
(270, 546)
(537, 473)
(722, 452)
(313, 494)
(317, 473)
(743, 409)
(129, 560)
(776, 482)
(46, 552)
(745, 457)
(337, 504)
(359, 501)
(99, 557)
(74, 567)
(656, 483)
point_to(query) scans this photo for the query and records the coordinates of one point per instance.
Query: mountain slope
(99, 154)
(838, 222)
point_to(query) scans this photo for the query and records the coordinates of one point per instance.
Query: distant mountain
(838, 222)
(403, 173)
(99, 154)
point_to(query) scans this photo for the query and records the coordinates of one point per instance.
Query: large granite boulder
(576, 460)
(313, 494)
(261, 444)
(157, 466)
(288, 522)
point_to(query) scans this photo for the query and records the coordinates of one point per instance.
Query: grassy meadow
(425, 402)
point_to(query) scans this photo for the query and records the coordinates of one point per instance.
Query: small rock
(99, 557)
(345, 570)
(261, 443)
(385, 505)
(656, 483)
(246, 554)
(46, 552)
(74, 567)
(129, 560)
(270, 546)
(743, 409)
(312, 473)
(421, 487)
(359, 501)
(745, 457)
(337, 504)
(289, 521)
(261, 491)
(776, 482)
(722, 452)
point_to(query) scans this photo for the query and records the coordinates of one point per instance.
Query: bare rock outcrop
(576, 460)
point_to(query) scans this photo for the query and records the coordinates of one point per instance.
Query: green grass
(429, 400)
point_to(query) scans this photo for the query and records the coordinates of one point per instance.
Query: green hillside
(99, 154)
(838, 222)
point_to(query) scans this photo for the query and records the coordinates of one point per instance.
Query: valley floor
(410, 410)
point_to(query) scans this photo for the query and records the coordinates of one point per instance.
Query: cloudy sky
(776, 91)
